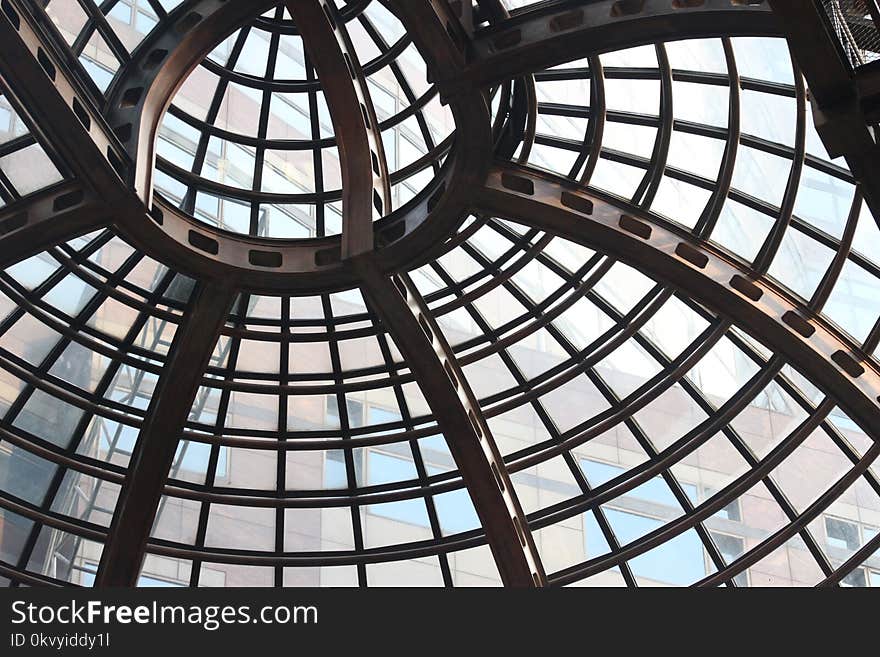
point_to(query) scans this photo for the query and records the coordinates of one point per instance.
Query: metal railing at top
(856, 23)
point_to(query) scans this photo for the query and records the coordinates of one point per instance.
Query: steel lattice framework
(478, 59)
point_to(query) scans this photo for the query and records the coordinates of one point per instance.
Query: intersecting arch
(137, 102)
(471, 182)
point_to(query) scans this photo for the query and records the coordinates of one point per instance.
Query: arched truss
(110, 156)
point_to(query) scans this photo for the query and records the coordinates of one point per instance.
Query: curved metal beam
(145, 87)
(153, 455)
(561, 31)
(438, 33)
(364, 170)
(521, 194)
(62, 110)
(61, 113)
(443, 43)
(549, 203)
(42, 220)
(137, 101)
(457, 412)
(159, 66)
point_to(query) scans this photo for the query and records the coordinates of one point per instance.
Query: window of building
(842, 534)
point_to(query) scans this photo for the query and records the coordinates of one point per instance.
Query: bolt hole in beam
(203, 242)
(157, 215)
(46, 63)
(68, 200)
(131, 97)
(156, 57)
(634, 226)
(81, 113)
(799, 324)
(268, 259)
(747, 288)
(11, 14)
(188, 22)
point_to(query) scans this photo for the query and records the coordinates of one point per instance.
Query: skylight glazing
(85, 333)
(623, 408)
(25, 165)
(248, 144)
(650, 440)
(652, 125)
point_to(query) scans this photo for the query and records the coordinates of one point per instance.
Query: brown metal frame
(112, 162)
(754, 303)
(42, 220)
(157, 443)
(364, 172)
(559, 32)
(145, 88)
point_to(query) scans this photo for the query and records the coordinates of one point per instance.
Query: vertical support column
(405, 315)
(153, 455)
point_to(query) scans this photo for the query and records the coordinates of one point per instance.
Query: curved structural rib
(157, 443)
(560, 32)
(364, 171)
(42, 220)
(141, 92)
(63, 112)
(145, 86)
(437, 31)
(624, 231)
(458, 416)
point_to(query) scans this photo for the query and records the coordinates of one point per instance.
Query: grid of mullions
(728, 152)
(103, 35)
(84, 336)
(512, 303)
(364, 425)
(347, 440)
(260, 157)
(592, 500)
(511, 247)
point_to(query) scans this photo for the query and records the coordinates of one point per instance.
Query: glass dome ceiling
(276, 173)
(649, 439)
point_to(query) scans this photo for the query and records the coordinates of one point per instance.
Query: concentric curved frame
(105, 152)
